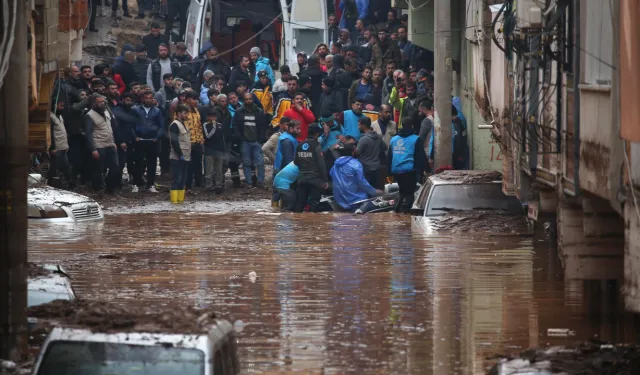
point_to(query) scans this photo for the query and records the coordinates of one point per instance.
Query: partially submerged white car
(47, 204)
(468, 201)
(49, 283)
(93, 337)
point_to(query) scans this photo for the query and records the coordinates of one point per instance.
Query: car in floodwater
(105, 338)
(48, 204)
(46, 283)
(468, 201)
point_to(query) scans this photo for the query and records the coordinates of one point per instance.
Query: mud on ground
(495, 222)
(125, 200)
(37, 271)
(106, 317)
(113, 34)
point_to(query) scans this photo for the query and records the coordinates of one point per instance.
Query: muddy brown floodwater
(337, 294)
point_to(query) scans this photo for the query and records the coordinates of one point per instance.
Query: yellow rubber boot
(174, 196)
(181, 196)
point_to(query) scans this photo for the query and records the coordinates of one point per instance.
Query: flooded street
(339, 294)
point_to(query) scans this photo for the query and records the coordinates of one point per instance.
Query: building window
(597, 41)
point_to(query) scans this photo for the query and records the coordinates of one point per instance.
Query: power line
(599, 59)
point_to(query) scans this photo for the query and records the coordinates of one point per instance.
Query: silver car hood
(49, 195)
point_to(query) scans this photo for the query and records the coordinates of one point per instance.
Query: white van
(300, 26)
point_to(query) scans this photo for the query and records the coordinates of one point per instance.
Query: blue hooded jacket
(204, 97)
(349, 184)
(262, 63)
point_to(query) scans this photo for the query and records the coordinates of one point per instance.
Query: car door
(306, 27)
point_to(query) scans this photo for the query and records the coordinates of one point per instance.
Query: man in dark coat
(316, 75)
(213, 63)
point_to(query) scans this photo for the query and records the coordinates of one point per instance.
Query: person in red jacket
(103, 71)
(300, 112)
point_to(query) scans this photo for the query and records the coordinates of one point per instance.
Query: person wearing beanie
(304, 86)
(141, 63)
(261, 63)
(422, 81)
(262, 90)
(330, 99)
(301, 65)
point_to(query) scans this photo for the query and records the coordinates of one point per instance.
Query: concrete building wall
(471, 63)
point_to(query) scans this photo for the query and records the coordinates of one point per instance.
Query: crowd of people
(341, 121)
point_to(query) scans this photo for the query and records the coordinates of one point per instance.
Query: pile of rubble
(583, 358)
(106, 317)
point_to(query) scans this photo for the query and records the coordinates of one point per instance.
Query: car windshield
(98, 358)
(447, 198)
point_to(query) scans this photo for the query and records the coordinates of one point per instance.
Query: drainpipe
(576, 96)
(534, 98)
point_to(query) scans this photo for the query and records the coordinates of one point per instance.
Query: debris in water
(560, 332)
(36, 271)
(238, 326)
(7, 365)
(581, 358)
(253, 276)
(108, 256)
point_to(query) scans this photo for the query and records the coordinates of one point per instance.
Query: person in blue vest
(285, 153)
(407, 161)
(459, 138)
(285, 184)
(332, 130)
(351, 118)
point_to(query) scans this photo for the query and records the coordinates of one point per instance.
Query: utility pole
(443, 84)
(14, 161)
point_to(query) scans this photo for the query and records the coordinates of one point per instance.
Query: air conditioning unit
(529, 14)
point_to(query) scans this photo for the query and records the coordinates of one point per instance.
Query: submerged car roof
(466, 177)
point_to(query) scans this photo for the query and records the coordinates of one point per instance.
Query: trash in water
(7, 365)
(253, 276)
(238, 326)
(560, 332)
